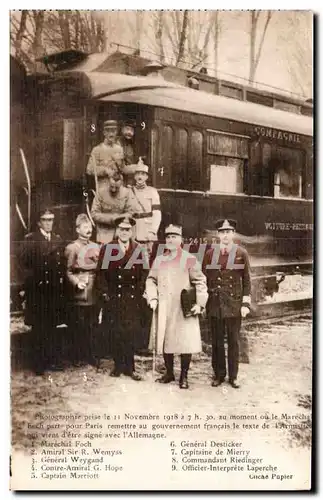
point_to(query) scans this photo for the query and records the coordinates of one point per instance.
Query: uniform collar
(47, 236)
(124, 246)
(228, 248)
(141, 187)
(83, 241)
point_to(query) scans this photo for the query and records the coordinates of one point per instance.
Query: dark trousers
(185, 363)
(123, 355)
(83, 325)
(46, 350)
(230, 327)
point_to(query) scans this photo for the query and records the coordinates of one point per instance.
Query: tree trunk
(65, 28)
(216, 43)
(21, 32)
(253, 31)
(182, 39)
(37, 46)
(159, 36)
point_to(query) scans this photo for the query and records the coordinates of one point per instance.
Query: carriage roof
(115, 87)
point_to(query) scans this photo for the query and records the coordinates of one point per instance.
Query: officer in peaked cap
(107, 157)
(175, 333)
(229, 286)
(43, 259)
(148, 213)
(122, 285)
(226, 224)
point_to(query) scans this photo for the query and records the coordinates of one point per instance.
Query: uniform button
(119, 286)
(46, 272)
(132, 296)
(230, 277)
(119, 295)
(132, 286)
(219, 286)
(45, 261)
(119, 276)
(47, 282)
(133, 277)
(219, 279)
(231, 294)
(230, 286)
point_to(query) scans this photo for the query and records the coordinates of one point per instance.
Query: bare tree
(37, 32)
(255, 53)
(159, 22)
(182, 39)
(296, 48)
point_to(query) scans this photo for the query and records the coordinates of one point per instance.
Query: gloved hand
(153, 304)
(245, 311)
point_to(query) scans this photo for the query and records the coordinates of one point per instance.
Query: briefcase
(188, 300)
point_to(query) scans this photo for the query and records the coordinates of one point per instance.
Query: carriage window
(180, 165)
(195, 163)
(227, 157)
(285, 165)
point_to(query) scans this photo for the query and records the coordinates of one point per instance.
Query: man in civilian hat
(171, 272)
(121, 284)
(126, 141)
(43, 258)
(82, 257)
(227, 269)
(107, 157)
(108, 205)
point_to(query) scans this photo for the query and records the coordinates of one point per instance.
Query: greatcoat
(171, 332)
(45, 279)
(124, 289)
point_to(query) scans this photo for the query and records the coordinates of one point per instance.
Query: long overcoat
(171, 332)
(124, 289)
(44, 279)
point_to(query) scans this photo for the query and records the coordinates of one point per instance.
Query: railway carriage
(210, 156)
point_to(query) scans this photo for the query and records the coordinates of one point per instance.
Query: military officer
(148, 215)
(107, 157)
(227, 269)
(82, 257)
(175, 333)
(43, 258)
(109, 204)
(122, 286)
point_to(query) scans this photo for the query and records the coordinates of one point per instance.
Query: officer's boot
(169, 375)
(185, 364)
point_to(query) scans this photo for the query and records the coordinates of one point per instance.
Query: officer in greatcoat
(43, 259)
(107, 157)
(227, 269)
(83, 309)
(172, 332)
(109, 204)
(121, 284)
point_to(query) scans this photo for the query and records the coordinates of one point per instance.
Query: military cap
(223, 224)
(141, 167)
(81, 219)
(173, 229)
(110, 124)
(46, 214)
(125, 222)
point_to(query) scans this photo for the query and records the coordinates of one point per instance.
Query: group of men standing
(117, 279)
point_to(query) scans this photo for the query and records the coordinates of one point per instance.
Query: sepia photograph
(161, 250)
